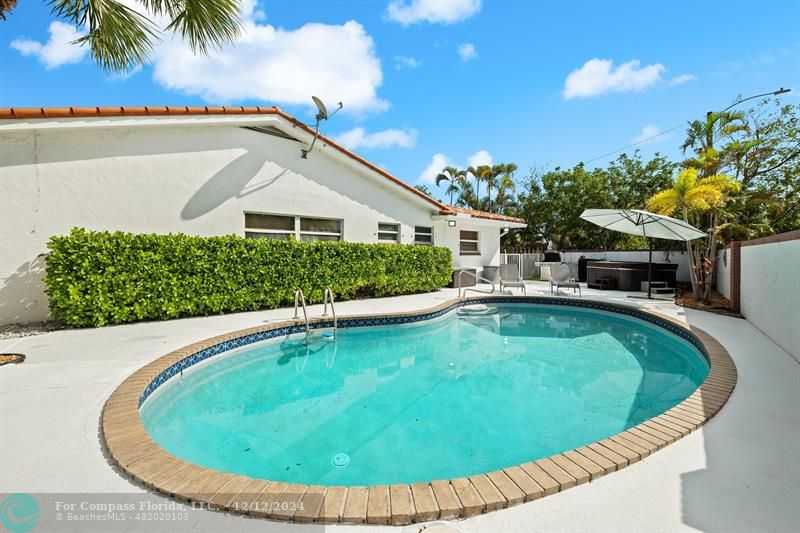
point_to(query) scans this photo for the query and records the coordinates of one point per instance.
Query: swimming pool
(441, 398)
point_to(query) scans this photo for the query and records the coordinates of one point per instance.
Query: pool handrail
(299, 297)
(329, 295)
(477, 277)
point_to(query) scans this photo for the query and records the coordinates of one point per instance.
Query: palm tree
(505, 186)
(699, 201)
(453, 177)
(481, 173)
(506, 189)
(701, 135)
(466, 194)
(121, 38)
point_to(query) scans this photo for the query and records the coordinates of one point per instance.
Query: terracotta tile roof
(483, 214)
(29, 113)
(130, 111)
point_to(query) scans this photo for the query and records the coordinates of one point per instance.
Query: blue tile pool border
(283, 330)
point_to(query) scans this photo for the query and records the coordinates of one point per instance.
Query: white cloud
(481, 157)
(58, 49)
(599, 76)
(646, 134)
(432, 11)
(359, 138)
(122, 76)
(401, 62)
(336, 62)
(438, 162)
(333, 62)
(683, 78)
(467, 51)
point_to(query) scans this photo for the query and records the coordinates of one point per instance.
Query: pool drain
(340, 460)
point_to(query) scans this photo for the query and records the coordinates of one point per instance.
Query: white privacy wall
(770, 291)
(195, 179)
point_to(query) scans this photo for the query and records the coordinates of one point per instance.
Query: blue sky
(455, 81)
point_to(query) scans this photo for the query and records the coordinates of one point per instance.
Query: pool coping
(131, 448)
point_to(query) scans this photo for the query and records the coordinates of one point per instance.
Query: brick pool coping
(132, 449)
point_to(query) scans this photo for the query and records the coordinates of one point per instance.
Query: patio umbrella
(644, 224)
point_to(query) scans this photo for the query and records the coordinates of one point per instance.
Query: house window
(388, 232)
(283, 227)
(423, 235)
(469, 243)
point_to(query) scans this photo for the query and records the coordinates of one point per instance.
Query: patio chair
(509, 277)
(560, 277)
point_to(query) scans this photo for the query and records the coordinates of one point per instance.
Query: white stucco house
(201, 171)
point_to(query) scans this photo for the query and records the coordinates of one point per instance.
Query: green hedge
(97, 278)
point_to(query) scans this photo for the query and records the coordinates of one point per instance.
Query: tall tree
(454, 179)
(551, 202)
(506, 187)
(121, 38)
(699, 201)
(481, 173)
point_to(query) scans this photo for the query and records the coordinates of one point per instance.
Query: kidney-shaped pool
(441, 398)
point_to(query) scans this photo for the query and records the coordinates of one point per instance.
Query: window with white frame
(388, 232)
(423, 235)
(469, 243)
(263, 226)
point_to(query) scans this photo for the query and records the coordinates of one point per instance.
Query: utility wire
(735, 103)
(637, 143)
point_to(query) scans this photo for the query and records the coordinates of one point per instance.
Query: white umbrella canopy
(643, 224)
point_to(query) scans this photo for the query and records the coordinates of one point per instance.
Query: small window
(388, 232)
(469, 243)
(284, 227)
(423, 235)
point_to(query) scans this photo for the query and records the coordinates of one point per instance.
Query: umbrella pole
(650, 271)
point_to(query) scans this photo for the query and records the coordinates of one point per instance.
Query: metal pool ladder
(329, 296)
(477, 277)
(300, 300)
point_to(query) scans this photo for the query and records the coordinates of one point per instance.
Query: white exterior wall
(770, 291)
(194, 179)
(722, 275)
(488, 242)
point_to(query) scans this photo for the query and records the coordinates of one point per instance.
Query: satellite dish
(321, 115)
(323, 112)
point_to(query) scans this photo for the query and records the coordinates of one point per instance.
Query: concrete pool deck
(738, 472)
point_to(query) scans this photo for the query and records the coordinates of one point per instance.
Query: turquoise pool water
(439, 399)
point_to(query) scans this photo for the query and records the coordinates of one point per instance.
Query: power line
(634, 144)
(735, 103)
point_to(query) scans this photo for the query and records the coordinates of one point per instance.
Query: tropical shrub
(98, 278)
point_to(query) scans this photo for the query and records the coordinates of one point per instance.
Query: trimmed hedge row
(98, 278)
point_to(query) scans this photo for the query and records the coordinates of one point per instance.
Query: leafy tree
(767, 163)
(121, 38)
(551, 202)
(700, 202)
(454, 179)
(424, 190)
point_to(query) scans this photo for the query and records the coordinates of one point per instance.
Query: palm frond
(121, 38)
(703, 197)
(206, 23)
(664, 202)
(725, 184)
